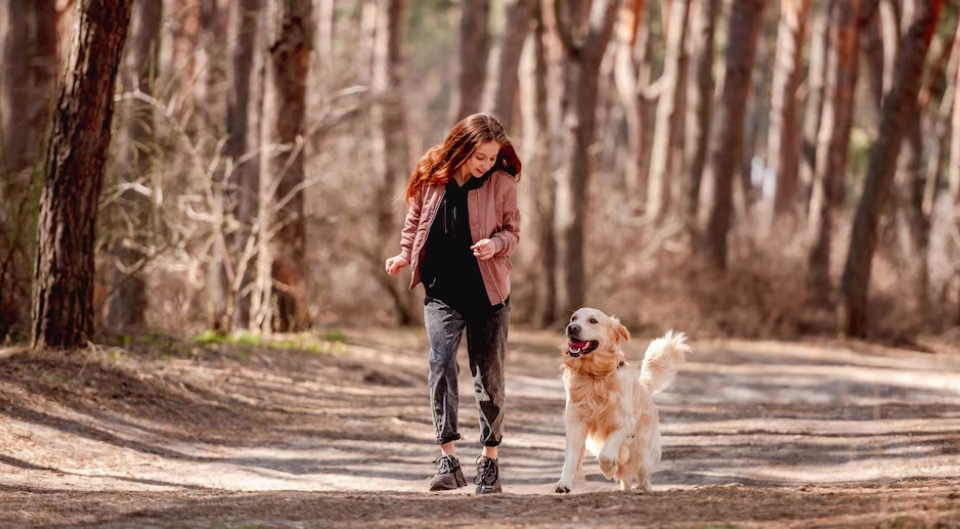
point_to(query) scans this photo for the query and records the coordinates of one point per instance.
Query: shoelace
(447, 464)
(486, 472)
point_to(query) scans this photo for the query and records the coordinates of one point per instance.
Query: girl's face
(482, 159)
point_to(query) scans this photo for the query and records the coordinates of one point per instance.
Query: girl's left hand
(484, 249)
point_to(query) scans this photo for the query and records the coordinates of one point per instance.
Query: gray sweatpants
(486, 348)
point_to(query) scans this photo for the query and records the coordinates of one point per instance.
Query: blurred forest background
(757, 168)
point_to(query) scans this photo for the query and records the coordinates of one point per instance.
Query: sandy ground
(164, 433)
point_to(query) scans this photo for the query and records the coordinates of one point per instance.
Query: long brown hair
(439, 164)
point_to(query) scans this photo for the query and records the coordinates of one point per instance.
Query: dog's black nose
(573, 329)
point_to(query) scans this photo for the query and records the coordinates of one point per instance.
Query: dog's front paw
(609, 466)
(562, 489)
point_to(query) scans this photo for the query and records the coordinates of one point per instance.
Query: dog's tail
(661, 360)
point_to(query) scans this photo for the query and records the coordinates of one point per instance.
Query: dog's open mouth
(578, 348)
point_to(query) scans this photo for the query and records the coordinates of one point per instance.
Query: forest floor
(336, 433)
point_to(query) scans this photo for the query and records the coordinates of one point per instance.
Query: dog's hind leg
(573, 455)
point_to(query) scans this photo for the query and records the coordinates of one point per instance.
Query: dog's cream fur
(610, 409)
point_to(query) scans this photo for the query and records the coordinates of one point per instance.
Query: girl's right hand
(394, 264)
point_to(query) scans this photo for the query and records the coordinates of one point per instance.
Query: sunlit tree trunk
(783, 147)
(132, 212)
(899, 105)
(519, 15)
(667, 154)
(700, 101)
(391, 149)
(538, 169)
(953, 171)
(727, 143)
(833, 144)
(279, 301)
(918, 186)
(585, 31)
(474, 50)
(76, 153)
(632, 72)
(813, 111)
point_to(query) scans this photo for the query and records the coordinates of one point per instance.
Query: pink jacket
(493, 213)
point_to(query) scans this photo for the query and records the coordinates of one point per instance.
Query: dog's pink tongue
(578, 345)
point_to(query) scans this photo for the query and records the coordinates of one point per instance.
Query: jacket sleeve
(410, 225)
(508, 236)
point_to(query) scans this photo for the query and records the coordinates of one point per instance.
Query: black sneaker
(488, 476)
(449, 476)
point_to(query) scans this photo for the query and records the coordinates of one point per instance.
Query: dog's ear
(620, 333)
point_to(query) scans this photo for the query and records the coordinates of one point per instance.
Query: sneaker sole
(440, 485)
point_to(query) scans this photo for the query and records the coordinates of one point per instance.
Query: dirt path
(756, 434)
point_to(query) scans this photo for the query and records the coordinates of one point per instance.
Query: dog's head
(593, 341)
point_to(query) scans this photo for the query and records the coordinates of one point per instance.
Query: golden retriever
(610, 409)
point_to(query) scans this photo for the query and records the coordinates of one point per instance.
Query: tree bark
(391, 145)
(700, 102)
(899, 105)
(813, 111)
(833, 144)
(63, 288)
(128, 302)
(539, 170)
(28, 74)
(953, 171)
(632, 72)
(474, 50)
(667, 154)
(727, 142)
(783, 147)
(519, 17)
(18, 144)
(582, 63)
(280, 297)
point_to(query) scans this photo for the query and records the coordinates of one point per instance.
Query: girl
(461, 227)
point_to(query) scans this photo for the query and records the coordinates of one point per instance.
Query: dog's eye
(593, 320)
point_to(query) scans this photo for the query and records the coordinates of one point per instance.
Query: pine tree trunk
(899, 105)
(128, 301)
(474, 50)
(28, 75)
(813, 111)
(783, 147)
(539, 170)
(953, 171)
(391, 149)
(667, 154)
(519, 17)
(17, 145)
(582, 62)
(833, 144)
(80, 137)
(727, 143)
(280, 297)
(700, 104)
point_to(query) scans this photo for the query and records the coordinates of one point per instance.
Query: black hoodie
(451, 272)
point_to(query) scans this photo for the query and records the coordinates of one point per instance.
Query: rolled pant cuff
(448, 439)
